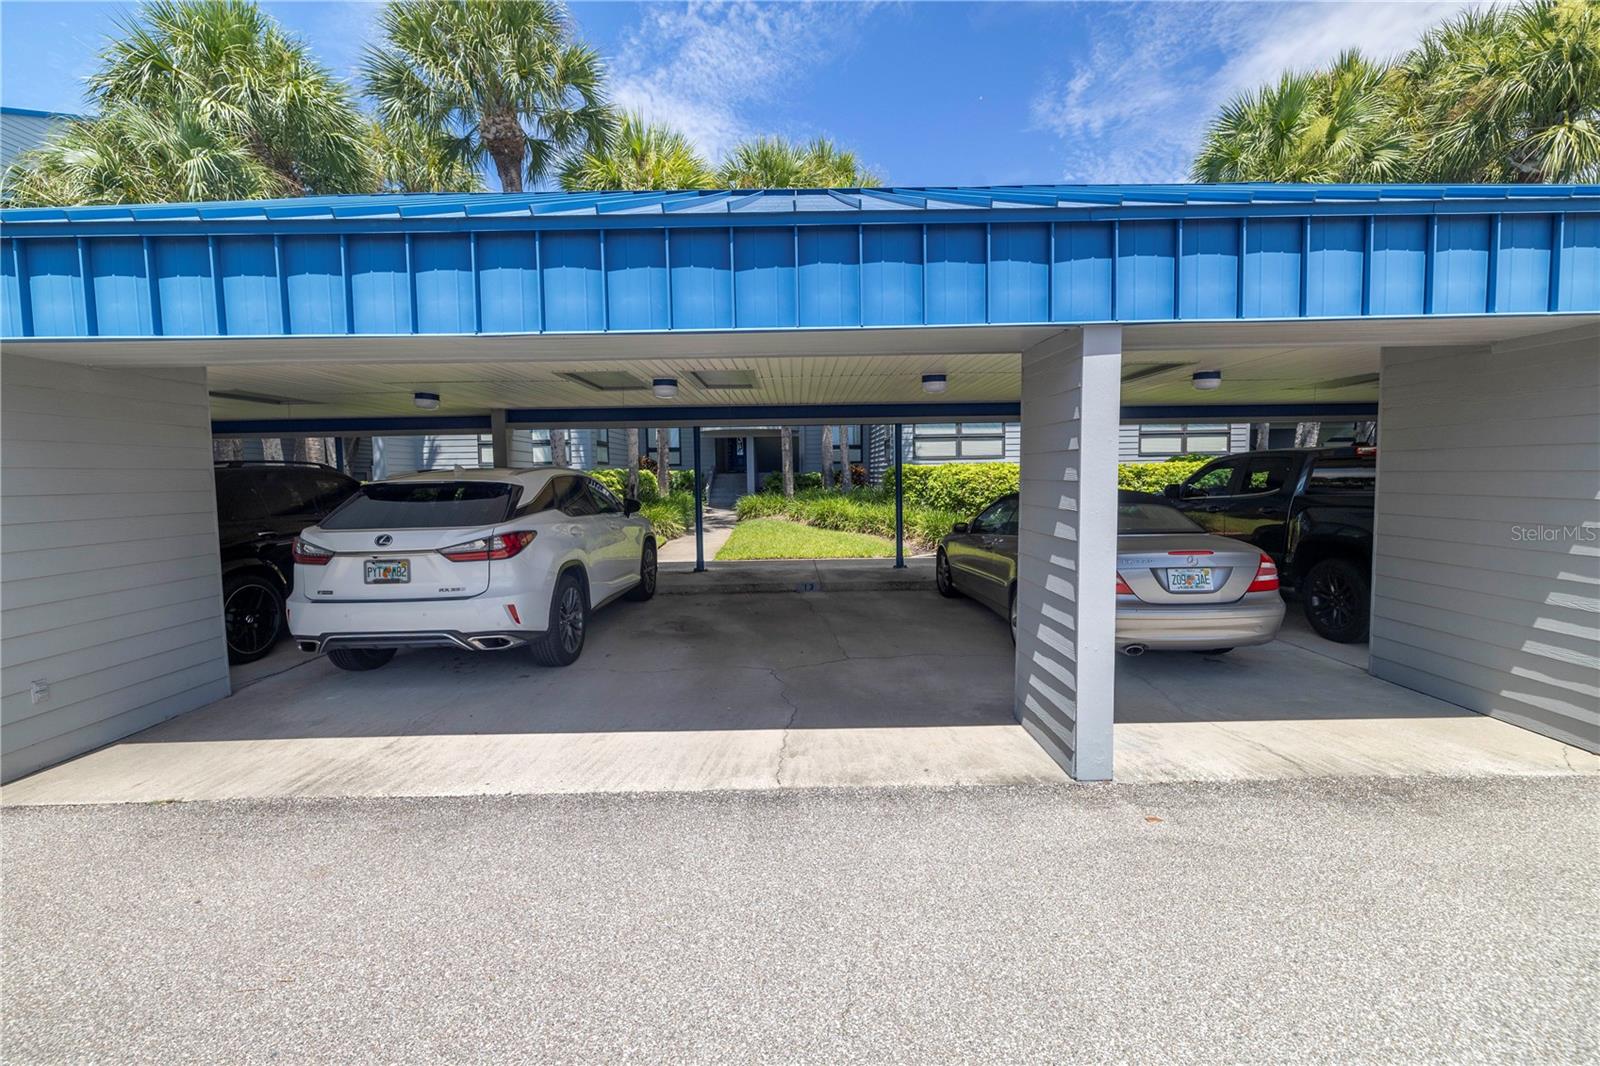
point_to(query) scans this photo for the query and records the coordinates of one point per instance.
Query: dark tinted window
(571, 498)
(604, 502)
(1343, 475)
(1152, 516)
(1212, 481)
(325, 490)
(999, 518)
(424, 505)
(543, 500)
(1266, 473)
(237, 498)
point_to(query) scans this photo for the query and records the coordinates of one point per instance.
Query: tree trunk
(663, 462)
(788, 461)
(827, 457)
(558, 448)
(502, 135)
(633, 463)
(844, 459)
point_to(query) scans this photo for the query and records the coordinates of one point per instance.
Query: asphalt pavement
(1312, 920)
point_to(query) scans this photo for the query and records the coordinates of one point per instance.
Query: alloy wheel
(649, 576)
(569, 620)
(251, 619)
(1334, 600)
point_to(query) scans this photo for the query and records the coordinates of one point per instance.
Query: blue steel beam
(751, 415)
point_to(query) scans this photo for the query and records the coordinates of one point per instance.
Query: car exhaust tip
(493, 643)
(1133, 651)
(309, 646)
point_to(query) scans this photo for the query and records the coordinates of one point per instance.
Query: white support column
(500, 437)
(749, 466)
(1067, 547)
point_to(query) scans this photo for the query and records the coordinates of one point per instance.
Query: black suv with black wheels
(261, 507)
(1311, 510)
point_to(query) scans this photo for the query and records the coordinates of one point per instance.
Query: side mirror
(1173, 492)
(630, 506)
(960, 527)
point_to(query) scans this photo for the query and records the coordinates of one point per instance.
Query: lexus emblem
(383, 540)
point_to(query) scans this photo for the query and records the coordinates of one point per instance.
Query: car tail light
(1266, 576)
(499, 546)
(309, 554)
(1122, 587)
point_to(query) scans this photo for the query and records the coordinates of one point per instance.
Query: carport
(1071, 308)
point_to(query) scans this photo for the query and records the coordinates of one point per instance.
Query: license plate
(388, 571)
(1196, 579)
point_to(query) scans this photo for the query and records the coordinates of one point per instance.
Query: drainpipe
(749, 466)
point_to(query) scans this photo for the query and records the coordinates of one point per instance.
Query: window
(947, 441)
(1149, 516)
(424, 505)
(539, 450)
(485, 450)
(852, 436)
(1000, 518)
(1343, 475)
(600, 496)
(1266, 473)
(1160, 441)
(1213, 480)
(602, 447)
(572, 497)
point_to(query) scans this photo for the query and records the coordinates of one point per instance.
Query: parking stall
(1465, 319)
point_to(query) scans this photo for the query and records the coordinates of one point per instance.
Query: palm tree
(504, 77)
(227, 67)
(1325, 126)
(1509, 94)
(663, 462)
(637, 156)
(202, 100)
(407, 156)
(787, 447)
(774, 163)
(633, 463)
(827, 457)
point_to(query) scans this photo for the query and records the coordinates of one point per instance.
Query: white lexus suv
(483, 560)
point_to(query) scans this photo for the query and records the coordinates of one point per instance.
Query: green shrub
(868, 510)
(682, 481)
(616, 479)
(670, 517)
(1154, 477)
(965, 488)
(810, 479)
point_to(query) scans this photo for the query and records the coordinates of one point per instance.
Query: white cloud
(1156, 73)
(701, 67)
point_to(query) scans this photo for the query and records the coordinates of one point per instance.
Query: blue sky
(928, 93)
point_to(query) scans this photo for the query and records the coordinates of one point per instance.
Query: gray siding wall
(1067, 547)
(109, 569)
(1128, 441)
(1487, 561)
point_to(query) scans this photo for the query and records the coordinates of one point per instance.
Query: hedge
(1154, 477)
(616, 479)
(868, 511)
(963, 487)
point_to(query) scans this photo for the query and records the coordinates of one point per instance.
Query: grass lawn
(779, 538)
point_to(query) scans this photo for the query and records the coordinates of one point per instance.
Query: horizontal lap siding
(1486, 570)
(109, 562)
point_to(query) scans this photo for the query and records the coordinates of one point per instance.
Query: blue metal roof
(777, 202)
(793, 259)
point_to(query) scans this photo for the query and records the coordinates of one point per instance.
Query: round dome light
(1207, 380)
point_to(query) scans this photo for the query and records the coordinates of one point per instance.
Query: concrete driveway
(853, 675)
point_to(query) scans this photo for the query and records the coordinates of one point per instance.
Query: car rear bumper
(1252, 620)
(478, 624)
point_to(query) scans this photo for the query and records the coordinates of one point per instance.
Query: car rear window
(1359, 476)
(1147, 516)
(424, 505)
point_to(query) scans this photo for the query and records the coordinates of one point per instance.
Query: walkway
(719, 527)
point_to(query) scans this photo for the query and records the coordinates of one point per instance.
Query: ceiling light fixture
(934, 383)
(664, 388)
(1206, 380)
(428, 401)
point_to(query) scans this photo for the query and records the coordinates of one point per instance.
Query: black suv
(1311, 510)
(261, 506)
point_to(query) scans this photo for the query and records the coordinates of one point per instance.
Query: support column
(500, 437)
(899, 497)
(1067, 547)
(749, 466)
(699, 508)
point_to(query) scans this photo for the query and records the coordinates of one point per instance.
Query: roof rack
(232, 464)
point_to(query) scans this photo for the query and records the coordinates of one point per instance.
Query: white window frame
(968, 443)
(1182, 432)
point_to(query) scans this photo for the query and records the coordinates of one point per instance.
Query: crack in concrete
(783, 744)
